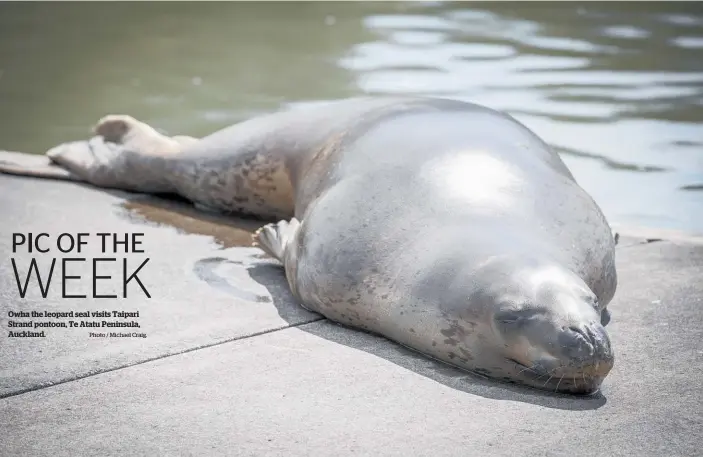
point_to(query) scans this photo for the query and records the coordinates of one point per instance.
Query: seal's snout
(576, 343)
(555, 352)
(586, 345)
(582, 359)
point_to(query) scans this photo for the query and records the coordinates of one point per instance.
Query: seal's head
(543, 325)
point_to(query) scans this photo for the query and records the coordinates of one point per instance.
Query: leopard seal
(445, 226)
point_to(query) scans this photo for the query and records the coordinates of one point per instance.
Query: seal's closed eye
(516, 316)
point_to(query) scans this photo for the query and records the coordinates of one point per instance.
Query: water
(616, 88)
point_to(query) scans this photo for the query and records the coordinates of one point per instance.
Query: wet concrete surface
(233, 366)
(200, 288)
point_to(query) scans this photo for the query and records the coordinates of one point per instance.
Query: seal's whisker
(557, 387)
(550, 373)
(547, 381)
(527, 368)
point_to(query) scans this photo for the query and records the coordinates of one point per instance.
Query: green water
(616, 88)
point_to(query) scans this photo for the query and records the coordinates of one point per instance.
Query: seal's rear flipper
(38, 166)
(273, 238)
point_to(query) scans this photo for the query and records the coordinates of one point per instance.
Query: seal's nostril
(599, 339)
(582, 332)
(586, 342)
(576, 342)
(591, 332)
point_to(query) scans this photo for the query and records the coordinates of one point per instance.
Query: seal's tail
(34, 165)
(273, 238)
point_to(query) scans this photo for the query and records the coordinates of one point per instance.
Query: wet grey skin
(445, 226)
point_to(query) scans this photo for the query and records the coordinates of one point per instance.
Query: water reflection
(226, 231)
(617, 88)
(621, 84)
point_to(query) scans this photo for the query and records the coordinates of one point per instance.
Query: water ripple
(617, 85)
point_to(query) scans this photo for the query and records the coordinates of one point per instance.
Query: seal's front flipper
(38, 166)
(273, 238)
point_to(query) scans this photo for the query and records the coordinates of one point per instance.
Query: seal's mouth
(533, 371)
(556, 380)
